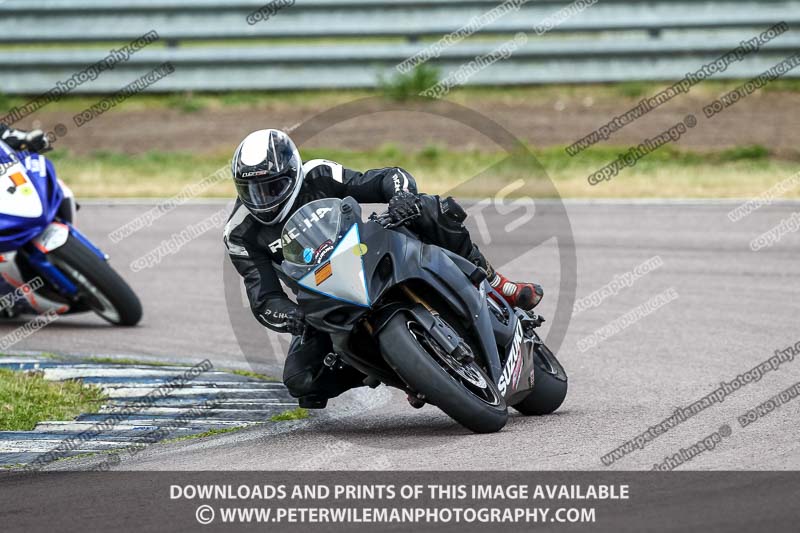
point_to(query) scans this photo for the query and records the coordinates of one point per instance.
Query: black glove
(284, 316)
(32, 141)
(403, 206)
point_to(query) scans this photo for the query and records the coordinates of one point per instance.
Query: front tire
(479, 410)
(101, 288)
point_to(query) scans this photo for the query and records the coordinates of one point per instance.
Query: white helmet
(268, 173)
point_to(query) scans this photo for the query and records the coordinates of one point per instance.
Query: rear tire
(418, 368)
(549, 385)
(101, 288)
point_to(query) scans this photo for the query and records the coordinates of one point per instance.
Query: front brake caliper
(444, 335)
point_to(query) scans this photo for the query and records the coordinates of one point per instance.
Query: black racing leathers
(255, 250)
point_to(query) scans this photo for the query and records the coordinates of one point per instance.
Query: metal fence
(352, 43)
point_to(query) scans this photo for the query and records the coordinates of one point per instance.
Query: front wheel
(100, 287)
(463, 392)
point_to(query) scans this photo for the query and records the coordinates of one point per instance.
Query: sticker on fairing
(322, 251)
(342, 276)
(323, 273)
(18, 196)
(513, 366)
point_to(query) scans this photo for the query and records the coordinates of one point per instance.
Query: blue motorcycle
(46, 265)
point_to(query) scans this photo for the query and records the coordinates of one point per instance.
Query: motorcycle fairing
(26, 178)
(18, 195)
(53, 236)
(341, 277)
(508, 349)
(30, 197)
(411, 260)
(12, 279)
(389, 258)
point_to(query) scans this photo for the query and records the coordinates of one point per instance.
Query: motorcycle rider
(272, 182)
(32, 141)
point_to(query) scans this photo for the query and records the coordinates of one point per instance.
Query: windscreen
(310, 235)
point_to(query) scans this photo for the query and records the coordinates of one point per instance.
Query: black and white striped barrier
(133, 414)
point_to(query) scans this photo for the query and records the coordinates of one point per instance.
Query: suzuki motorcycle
(417, 317)
(46, 264)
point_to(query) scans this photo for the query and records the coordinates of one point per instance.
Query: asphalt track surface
(735, 307)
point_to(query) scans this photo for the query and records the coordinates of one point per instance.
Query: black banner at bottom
(400, 501)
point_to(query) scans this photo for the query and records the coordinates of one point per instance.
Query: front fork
(447, 338)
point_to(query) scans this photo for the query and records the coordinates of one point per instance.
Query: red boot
(526, 296)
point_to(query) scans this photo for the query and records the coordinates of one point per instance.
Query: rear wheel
(462, 391)
(549, 385)
(100, 288)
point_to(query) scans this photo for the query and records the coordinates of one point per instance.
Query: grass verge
(292, 414)
(127, 361)
(209, 433)
(26, 399)
(666, 173)
(251, 374)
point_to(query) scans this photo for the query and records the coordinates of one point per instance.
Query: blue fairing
(17, 231)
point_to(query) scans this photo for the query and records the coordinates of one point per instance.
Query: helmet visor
(265, 194)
